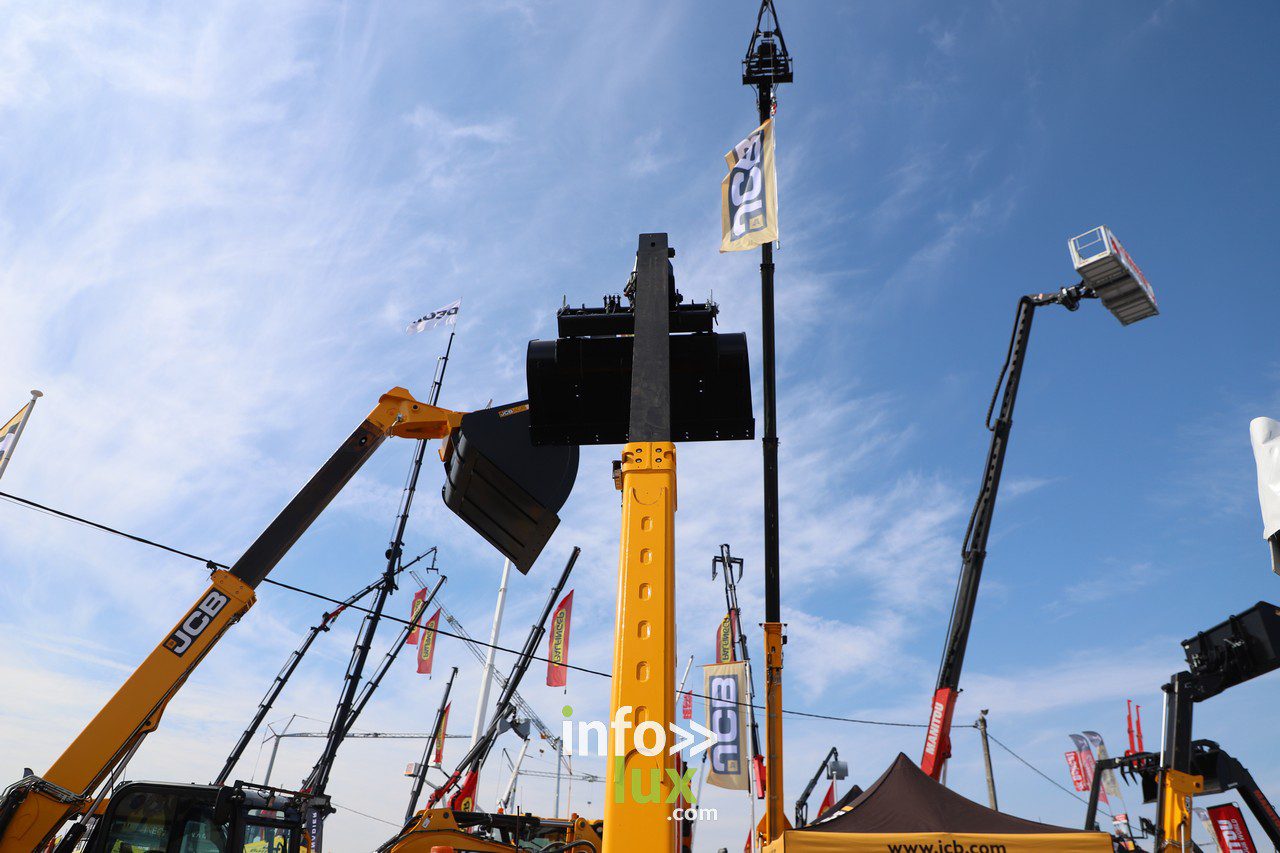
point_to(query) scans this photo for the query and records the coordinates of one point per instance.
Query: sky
(215, 223)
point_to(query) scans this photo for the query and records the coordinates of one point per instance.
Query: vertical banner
(438, 758)
(315, 830)
(726, 639)
(686, 706)
(1077, 774)
(465, 799)
(1230, 829)
(558, 643)
(1203, 816)
(749, 193)
(728, 716)
(427, 648)
(1109, 783)
(419, 599)
(1087, 764)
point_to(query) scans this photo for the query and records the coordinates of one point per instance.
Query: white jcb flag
(11, 431)
(1264, 433)
(448, 315)
(749, 193)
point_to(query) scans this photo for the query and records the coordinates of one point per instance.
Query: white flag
(447, 315)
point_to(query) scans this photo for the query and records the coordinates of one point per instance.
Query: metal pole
(420, 777)
(477, 727)
(559, 767)
(275, 747)
(22, 424)
(986, 758)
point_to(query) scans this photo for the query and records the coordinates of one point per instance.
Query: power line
(213, 564)
(369, 816)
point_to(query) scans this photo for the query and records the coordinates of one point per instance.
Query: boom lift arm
(831, 767)
(937, 746)
(282, 678)
(33, 808)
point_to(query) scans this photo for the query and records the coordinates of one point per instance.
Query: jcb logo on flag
(726, 689)
(447, 315)
(749, 193)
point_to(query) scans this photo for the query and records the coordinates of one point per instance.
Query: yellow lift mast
(34, 808)
(645, 375)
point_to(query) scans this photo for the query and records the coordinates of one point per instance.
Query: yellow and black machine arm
(33, 809)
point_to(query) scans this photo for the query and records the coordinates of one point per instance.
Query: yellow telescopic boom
(33, 809)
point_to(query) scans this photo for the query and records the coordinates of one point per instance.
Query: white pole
(504, 801)
(684, 677)
(487, 676)
(22, 424)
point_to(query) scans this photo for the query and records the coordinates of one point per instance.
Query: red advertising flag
(558, 643)
(419, 598)
(1229, 826)
(438, 759)
(829, 800)
(686, 709)
(465, 799)
(427, 648)
(1077, 774)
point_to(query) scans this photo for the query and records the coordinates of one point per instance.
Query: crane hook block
(506, 488)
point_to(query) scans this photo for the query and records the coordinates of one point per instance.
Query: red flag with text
(1229, 826)
(558, 643)
(427, 648)
(444, 725)
(1077, 774)
(686, 709)
(419, 598)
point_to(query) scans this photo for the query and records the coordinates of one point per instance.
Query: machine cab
(158, 817)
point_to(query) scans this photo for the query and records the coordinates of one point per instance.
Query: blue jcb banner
(749, 193)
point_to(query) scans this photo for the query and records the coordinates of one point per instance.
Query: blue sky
(214, 225)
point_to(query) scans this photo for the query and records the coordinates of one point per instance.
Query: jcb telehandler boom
(32, 810)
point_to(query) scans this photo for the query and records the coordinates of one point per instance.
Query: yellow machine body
(637, 815)
(440, 828)
(1176, 793)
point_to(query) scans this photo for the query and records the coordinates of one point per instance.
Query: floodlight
(837, 769)
(1111, 274)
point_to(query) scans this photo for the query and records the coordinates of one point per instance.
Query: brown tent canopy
(841, 805)
(905, 807)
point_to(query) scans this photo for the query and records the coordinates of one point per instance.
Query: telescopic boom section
(937, 745)
(33, 809)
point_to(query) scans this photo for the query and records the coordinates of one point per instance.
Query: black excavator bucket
(580, 383)
(507, 489)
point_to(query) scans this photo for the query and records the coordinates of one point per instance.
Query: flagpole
(767, 64)
(487, 674)
(22, 424)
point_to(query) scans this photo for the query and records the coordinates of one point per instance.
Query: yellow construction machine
(503, 486)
